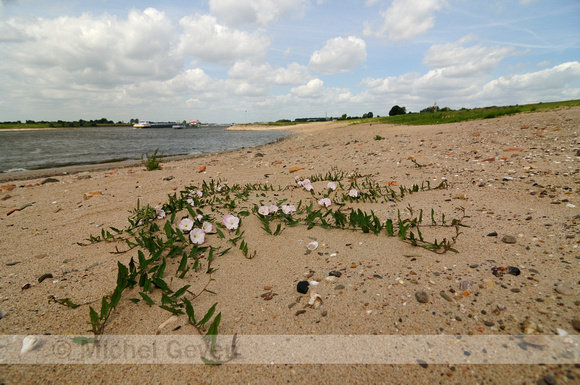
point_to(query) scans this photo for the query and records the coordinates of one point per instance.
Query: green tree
(396, 110)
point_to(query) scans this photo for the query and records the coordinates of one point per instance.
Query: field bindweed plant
(182, 238)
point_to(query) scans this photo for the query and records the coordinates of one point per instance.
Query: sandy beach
(514, 182)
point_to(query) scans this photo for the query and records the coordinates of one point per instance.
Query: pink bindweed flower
(231, 222)
(264, 210)
(273, 209)
(353, 193)
(331, 186)
(207, 227)
(186, 224)
(326, 202)
(199, 217)
(191, 202)
(197, 236)
(288, 209)
(307, 185)
(196, 192)
(160, 213)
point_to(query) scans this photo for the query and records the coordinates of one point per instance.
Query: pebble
(300, 312)
(339, 287)
(515, 290)
(335, 273)
(302, 287)
(549, 379)
(576, 324)
(474, 265)
(44, 276)
(422, 297)
(508, 239)
(324, 313)
(445, 296)
(49, 180)
(2, 314)
(12, 263)
(564, 290)
(489, 323)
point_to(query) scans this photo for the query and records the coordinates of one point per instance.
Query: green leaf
(189, 311)
(168, 229)
(95, 320)
(220, 233)
(213, 331)
(208, 315)
(116, 296)
(161, 269)
(171, 309)
(84, 340)
(210, 362)
(146, 298)
(161, 284)
(104, 308)
(181, 291)
(135, 300)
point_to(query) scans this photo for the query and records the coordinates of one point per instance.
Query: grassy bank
(441, 117)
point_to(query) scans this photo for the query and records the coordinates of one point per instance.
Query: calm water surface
(35, 150)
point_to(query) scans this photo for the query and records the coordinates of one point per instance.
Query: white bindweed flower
(264, 210)
(197, 236)
(288, 209)
(191, 202)
(207, 227)
(186, 224)
(326, 202)
(273, 209)
(331, 186)
(231, 222)
(353, 193)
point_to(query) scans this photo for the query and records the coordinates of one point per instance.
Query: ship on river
(148, 124)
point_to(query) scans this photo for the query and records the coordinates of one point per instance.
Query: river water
(44, 149)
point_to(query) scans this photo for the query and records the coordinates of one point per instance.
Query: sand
(513, 176)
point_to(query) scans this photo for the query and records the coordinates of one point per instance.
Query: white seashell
(330, 278)
(562, 332)
(170, 320)
(313, 283)
(315, 301)
(28, 343)
(529, 327)
(312, 246)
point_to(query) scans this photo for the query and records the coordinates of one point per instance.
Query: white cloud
(262, 12)
(459, 60)
(293, 74)
(247, 79)
(548, 80)
(100, 51)
(407, 19)
(528, 2)
(206, 40)
(312, 89)
(545, 63)
(339, 55)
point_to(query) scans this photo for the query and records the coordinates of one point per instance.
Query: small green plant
(200, 224)
(378, 137)
(152, 162)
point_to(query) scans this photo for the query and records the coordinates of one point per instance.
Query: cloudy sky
(262, 60)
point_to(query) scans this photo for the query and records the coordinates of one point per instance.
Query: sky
(226, 61)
